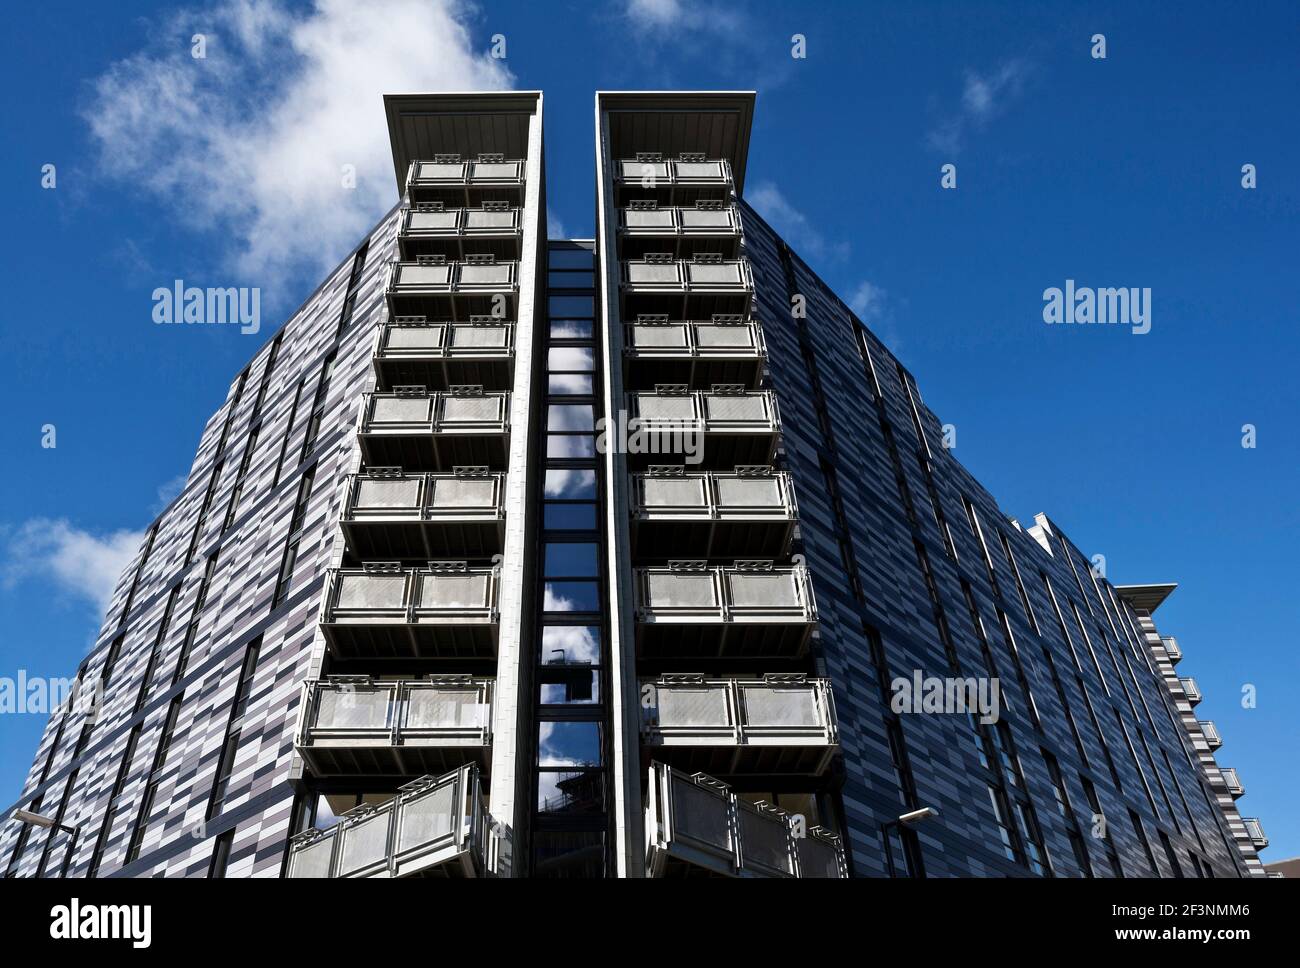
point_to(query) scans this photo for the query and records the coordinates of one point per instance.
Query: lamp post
(909, 819)
(49, 823)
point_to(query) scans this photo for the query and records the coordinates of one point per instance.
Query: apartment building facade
(509, 556)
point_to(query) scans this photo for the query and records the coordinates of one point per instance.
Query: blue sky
(1117, 172)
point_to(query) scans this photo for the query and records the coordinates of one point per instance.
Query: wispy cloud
(868, 301)
(168, 491)
(792, 224)
(77, 563)
(983, 97)
(674, 15)
(554, 227)
(249, 144)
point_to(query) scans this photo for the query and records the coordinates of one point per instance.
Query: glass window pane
(570, 329)
(575, 384)
(571, 791)
(571, 258)
(569, 685)
(570, 517)
(570, 483)
(569, 358)
(570, 416)
(569, 854)
(568, 559)
(570, 644)
(572, 596)
(568, 744)
(571, 280)
(571, 306)
(570, 446)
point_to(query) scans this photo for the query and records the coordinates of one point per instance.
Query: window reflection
(571, 483)
(561, 743)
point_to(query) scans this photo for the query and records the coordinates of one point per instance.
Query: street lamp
(908, 820)
(49, 823)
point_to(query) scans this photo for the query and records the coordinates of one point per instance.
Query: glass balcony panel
(715, 274)
(352, 708)
(643, 170)
(484, 409)
(686, 706)
(387, 493)
(749, 492)
(401, 409)
(428, 817)
(701, 218)
(745, 407)
(414, 274)
(314, 859)
(656, 218)
(462, 492)
(769, 706)
(653, 273)
(371, 591)
(438, 169)
(365, 844)
(699, 169)
(674, 492)
(479, 336)
(495, 170)
(454, 590)
(709, 336)
(433, 221)
(650, 406)
(656, 337)
(424, 337)
(701, 814)
(477, 219)
(664, 589)
(771, 590)
(496, 274)
(817, 858)
(440, 707)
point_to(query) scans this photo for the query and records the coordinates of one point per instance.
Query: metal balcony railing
(1171, 648)
(391, 514)
(777, 725)
(389, 612)
(436, 431)
(695, 610)
(672, 181)
(495, 230)
(696, 352)
(433, 827)
(1233, 782)
(1255, 831)
(452, 290)
(463, 182)
(749, 513)
(1212, 738)
(414, 351)
(359, 726)
(1190, 689)
(685, 289)
(695, 823)
(718, 429)
(679, 230)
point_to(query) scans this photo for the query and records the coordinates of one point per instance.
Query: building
(510, 556)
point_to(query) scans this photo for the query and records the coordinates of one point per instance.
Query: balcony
(719, 429)
(414, 351)
(388, 515)
(690, 610)
(742, 514)
(1211, 732)
(660, 284)
(695, 352)
(423, 431)
(681, 181)
(1171, 648)
(695, 827)
(434, 287)
(495, 229)
(1190, 690)
(1232, 782)
(1255, 831)
(461, 183)
(644, 227)
(382, 612)
(363, 727)
(434, 827)
(780, 725)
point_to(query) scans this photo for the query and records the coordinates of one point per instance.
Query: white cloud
(868, 301)
(672, 17)
(791, 224)
(168, 491)
(79, 563)
(250, 143)
(655, 13)
(983, 97)
(554, 227)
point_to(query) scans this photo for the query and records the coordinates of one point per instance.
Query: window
(110, 660)
(226, 762)
(288, 430)
(1100, 827)
(55, 834)
(124, 768)
(155, 775)
(1146, 844)
(295, 537)
(318, 407)
(196, 615)
(221, 854)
